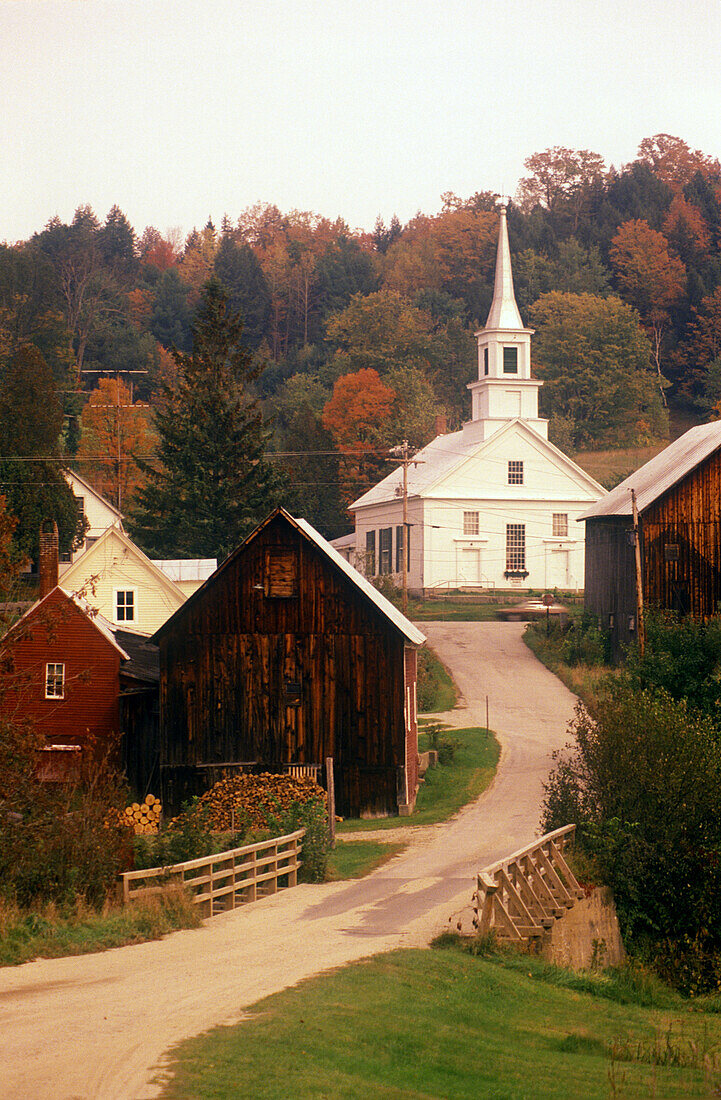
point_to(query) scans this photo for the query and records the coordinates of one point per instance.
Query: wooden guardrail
(521, 896)
(227, 879)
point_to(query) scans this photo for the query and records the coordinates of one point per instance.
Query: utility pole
(639, 578)
(404, 571)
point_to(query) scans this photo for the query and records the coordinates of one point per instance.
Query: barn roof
(395, 617)
(660, 473)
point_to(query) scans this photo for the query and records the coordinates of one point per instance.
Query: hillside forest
(121, 354)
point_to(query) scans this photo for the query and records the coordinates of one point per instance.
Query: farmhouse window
(399, 549)
(385, 549)
(281, 572)
(560, 525)
(515, 547)
(370, 553)
(470, 523)
(510, 360)
(125, 605)
(54, 681)
(515, 472)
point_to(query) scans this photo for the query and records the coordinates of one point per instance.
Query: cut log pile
(143, 817)
(252, 801)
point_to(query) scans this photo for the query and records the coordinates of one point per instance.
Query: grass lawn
(445, 789)
(443, 1023)
(354, 859)
(48, 934)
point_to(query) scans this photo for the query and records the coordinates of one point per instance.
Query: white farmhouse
(494, 505)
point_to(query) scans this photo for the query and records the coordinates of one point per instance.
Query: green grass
(583, 680)
(452, 610)
(47, 934)
(436, 689)
(354, 859)
(430, 1024)
(445, 789)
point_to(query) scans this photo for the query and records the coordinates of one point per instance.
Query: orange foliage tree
(674, 161)
(355, 415)
(115, 433)
(651, 278)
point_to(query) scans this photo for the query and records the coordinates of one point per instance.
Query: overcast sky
(182, 109)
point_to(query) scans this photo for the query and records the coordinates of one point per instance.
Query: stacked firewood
(143, 817)
(253, 801)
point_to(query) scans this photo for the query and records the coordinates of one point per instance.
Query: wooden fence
(227, 879)
(520, 897)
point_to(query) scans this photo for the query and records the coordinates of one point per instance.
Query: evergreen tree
(211, 484)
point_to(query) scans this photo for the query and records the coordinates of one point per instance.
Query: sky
(181, 110)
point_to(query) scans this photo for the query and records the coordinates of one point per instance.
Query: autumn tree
(210, 483)
(356, 416)
(593, 357)
(673, 161)
(651, 278)
(115, 434)
(559, 179)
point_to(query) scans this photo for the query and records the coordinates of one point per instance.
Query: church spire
(503, 313)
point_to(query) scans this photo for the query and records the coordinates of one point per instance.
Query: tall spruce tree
(210, 484)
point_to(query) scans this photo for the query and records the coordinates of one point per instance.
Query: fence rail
(227, 879)
(521, 896)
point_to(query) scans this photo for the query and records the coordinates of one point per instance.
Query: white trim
(61, 676)
(116, 592)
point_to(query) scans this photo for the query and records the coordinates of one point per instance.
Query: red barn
(62, 668)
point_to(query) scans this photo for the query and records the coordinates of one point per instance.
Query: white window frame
(515, 471)
(55, 680)
(471, 523)
(560, 525)
(116, 608)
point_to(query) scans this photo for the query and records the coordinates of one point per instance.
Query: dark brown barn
(678, 495)
(287, 655)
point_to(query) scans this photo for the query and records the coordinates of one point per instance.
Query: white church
(494, 505)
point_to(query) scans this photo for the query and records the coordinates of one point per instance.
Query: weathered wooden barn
(287, 655)
(678, 495)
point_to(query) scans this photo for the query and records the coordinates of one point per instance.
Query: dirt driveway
(97, 1026)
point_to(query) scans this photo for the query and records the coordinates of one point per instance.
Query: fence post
(330, 785)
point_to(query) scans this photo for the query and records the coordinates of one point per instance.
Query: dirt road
(97, 1026)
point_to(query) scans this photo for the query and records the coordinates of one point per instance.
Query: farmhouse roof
(661, 473)
(101, 625)
(386, 608)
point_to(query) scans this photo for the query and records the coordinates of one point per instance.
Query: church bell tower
(504, 390)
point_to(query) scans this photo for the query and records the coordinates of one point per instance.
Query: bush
(682, 657)
(643, 783)
(440, 742)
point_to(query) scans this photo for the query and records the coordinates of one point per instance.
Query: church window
(370, 553)
(485, 360)
(515, 547)
(385, 549)
(515, 472)
(470, 523)
(510, 360)
(560, 525)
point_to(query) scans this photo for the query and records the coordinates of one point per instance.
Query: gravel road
(96, 1027)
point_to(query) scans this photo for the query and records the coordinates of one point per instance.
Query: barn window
(385, 549)
(125, 605)
(399, 550)
(560, 525)
(515, 472)
(470, 523)
(515, 547)
(671, 551)
(54, 681)
(281, 572)
(510, 360)
(370, 553)
(292, 692)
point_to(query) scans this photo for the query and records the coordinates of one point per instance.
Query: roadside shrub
(583, 642)
(440, 742)
(682, 657)
(643, 783)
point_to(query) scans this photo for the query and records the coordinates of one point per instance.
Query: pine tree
(210, 484)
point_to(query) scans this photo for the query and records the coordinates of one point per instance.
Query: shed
(678, 495)
(287, 655)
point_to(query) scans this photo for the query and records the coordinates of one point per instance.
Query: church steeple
(504, 311)
(504, 390)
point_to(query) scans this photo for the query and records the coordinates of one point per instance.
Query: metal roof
(186, 569)
(503, 313)
(661, 473)
(396, 617)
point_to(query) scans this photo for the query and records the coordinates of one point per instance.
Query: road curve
(95, 1027)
